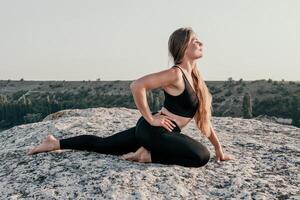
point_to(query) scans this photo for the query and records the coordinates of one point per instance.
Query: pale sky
(126, 39)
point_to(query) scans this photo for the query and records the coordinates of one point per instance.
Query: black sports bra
(184, 104)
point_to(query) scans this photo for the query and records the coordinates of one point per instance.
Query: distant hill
(30, 101)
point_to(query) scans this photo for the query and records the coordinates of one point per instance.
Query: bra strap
(181, 71)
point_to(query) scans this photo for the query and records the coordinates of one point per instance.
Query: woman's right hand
(163, 120)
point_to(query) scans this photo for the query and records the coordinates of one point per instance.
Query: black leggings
(165, 147)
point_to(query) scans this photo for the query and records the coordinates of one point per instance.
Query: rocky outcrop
(266, 164)
(266, 118)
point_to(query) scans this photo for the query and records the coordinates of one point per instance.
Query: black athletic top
(186, 103)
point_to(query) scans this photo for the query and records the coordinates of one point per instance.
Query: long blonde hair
(177, 44)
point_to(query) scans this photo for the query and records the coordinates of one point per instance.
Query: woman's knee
(202, 156)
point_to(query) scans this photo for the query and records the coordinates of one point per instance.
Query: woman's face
(194, 49)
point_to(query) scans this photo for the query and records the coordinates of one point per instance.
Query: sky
(127, 39)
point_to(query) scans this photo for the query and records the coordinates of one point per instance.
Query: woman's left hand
(220, 156)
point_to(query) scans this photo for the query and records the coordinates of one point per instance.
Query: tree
(156, 103)
(247, 106)
(32, 117)
(239, 90)
(150, 100)
(228, 93)
(295, 111)
(230, 80)
(3, 99)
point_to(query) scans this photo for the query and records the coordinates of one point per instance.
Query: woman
(157, 136)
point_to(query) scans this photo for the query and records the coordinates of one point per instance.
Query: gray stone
(266, 164)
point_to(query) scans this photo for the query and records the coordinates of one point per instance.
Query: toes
(30, 151)
(128, 156)
(123, 157)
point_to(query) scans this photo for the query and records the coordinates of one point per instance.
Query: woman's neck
(188, 66)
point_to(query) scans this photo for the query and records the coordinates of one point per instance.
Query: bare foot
(141, 155)
(130, 156)
(50, 143)
(145, 156)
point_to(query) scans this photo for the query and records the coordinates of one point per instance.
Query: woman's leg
(171, 147)
(116, 144)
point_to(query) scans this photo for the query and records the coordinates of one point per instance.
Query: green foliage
(230, 80)
(56, 85)
(218, 99)
(239, 90)
(3, 99)
(281, 89)
(228, 93)
(260, 91)
(247, 106)
(229, 83)
(255, 102)
(18, 94)
(157, 103)
(214, 90)
(154, 100)
(292, 83)
(32, 117)
(35, 107)
(284, 92)
(295, 111)
(277, 106)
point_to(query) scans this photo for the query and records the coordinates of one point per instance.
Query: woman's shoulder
(176, 70)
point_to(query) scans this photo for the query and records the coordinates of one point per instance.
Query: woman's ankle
(57, 145)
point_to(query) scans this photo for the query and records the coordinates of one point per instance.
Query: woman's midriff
(180, 121)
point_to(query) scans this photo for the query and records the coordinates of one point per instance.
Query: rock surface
(266, 164)
(266, 118)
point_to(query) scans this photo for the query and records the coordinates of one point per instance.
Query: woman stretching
(157, 135)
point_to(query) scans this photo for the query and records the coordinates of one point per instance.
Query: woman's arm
(214, 140)
(220, 156)
(140, 99)
(140, 87)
